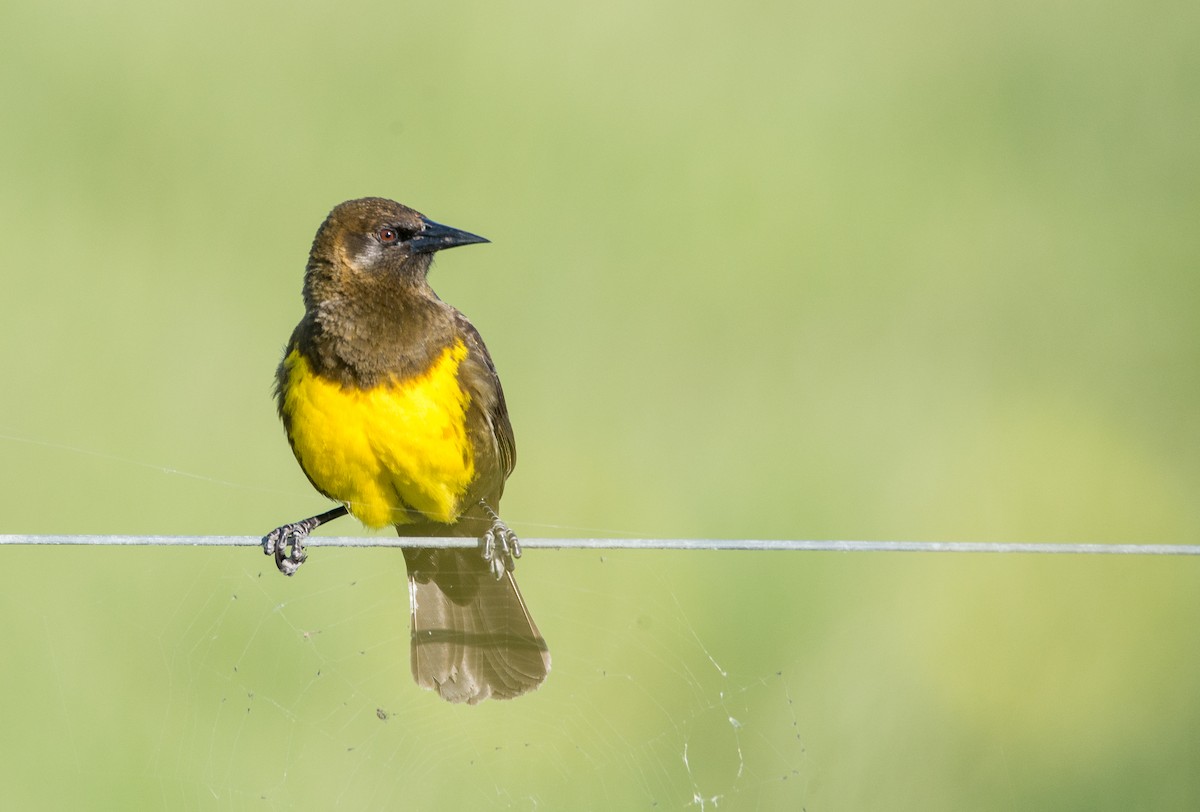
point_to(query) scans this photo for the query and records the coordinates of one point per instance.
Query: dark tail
(472, 637)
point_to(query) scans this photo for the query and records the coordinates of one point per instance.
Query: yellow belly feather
(376, 450)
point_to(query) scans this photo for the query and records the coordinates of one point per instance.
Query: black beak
(435, 237)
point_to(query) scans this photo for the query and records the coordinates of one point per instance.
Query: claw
(289, 535)
(499, 545)
(278, 540)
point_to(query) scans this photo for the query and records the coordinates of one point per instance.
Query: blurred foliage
(909, 270)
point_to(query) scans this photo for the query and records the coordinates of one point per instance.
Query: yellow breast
(382, 451)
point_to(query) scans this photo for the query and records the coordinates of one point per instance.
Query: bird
(393, 409)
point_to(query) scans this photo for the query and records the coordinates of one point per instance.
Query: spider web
(297, 693)
(202, 679)
(185, 678)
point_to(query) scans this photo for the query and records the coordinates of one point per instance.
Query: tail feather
(472, 637)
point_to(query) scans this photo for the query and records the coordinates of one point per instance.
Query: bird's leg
(499, 545)
(278, 540)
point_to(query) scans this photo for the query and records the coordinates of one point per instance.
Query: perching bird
(393, 408)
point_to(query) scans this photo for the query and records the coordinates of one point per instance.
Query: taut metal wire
(780, 545)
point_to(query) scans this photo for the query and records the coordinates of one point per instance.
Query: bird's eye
(389, 235)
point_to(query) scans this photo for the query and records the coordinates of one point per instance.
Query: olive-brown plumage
(393, 408)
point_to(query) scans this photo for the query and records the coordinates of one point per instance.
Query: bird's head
(377, 240)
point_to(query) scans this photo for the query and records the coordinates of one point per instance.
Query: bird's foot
(278, 540)
(499, 545)
(291, 535)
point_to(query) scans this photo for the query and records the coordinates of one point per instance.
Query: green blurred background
(915, 270)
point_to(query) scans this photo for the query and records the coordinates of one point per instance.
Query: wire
(788, 545)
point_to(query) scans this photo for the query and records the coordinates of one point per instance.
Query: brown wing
(491, 426)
